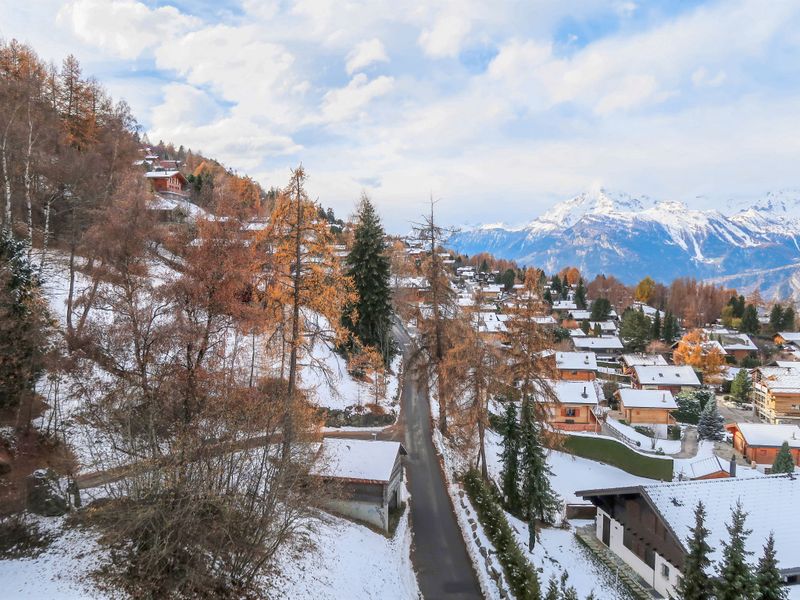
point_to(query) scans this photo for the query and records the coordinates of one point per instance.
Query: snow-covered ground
(347, 560)
(646, 444)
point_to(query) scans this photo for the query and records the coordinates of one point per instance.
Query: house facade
(576, 366)
(760, 442)
(167, 181)
(776, 394)
(574, 410)
(652, 408)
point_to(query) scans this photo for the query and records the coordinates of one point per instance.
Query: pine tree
(585, 327)
(710, 425)
(539, 501)
(510, 459)
(741, 386)
(601, 308)
(669, 331)
(565, 288)
(635, 330)
(735, 581)
(656, 333)
(749, 320)
(369, 267)
(695, 583)
(787, 323)
(776, 318)
(580, 295)
(769, 583)
(784, 463)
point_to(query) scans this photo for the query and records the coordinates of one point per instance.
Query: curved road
(444, 569)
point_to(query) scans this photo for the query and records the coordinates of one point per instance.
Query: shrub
(644, 430)
(521, 576)
(351, 416)
(689, 408)
(673, 432)
(22, 538)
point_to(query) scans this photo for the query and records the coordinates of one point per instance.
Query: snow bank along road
(444, 569)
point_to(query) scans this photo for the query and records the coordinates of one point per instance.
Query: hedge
(616, 453)
(521, 576)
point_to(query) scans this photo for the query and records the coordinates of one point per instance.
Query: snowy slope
(630, 237)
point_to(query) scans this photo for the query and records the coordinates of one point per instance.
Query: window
(665, 571)
(571, 412)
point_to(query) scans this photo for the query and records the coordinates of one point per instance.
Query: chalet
(788, 338)
(670, 378)
(564, 306)
(167, 181)
(759, 442)
(738, 345)
(364, 477)
(576, 366)
(776, 394)
(607, 344)
(580, 315)
(711, 467)
(647, 526)
(641, 360)
(491, 326)
(647, 407)
(577, 401)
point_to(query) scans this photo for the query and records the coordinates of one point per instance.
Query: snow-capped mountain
(751, 244)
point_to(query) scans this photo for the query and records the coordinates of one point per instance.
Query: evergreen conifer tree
(735, 581)
(776, 318)
(510, 459)
(585, 327)
(787, 323)
(741, 386)
(580, 295)
(539, 501)
(784, 463)
(769, 583)
(749, 320)
(709, 427)
(369, 267)
(635, 330)
(565, 288)
(601, 308)
(695, 584)
(656, 333)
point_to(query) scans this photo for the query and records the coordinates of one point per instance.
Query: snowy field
(348, 561)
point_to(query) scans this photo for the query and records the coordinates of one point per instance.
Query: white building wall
(663, 585)
(368, 512)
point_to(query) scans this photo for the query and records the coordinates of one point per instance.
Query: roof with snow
(736, 341)
(644, 360)
(780, 380)
(764, 434)
(576, 361)
(707, 466)
(598, 343)
(675, 502)
(666, 375)
(581, 315)
(788, 364)
(647, 398)
(564, 305)
(575, 392)
(790, 336)
(363, 460)
(163, 174)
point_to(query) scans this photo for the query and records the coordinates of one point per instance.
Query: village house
(651, 408)
(776, 394)
(491, 326)
(577, 401)
(711, 467)
(363, 477)
(167, 181)
(737, 345)
(788, 338)
(580, 315)
(760, 442)
(629, 361)
(671, 378)
(605, 345)
(564, 306)
(576, 366)
(647, 526)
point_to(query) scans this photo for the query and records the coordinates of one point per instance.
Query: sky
(496, 110)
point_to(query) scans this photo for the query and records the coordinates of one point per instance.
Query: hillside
(631, 237)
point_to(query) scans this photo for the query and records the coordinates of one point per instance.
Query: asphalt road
(444, 569)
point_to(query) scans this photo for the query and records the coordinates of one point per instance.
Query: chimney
(584, 394)
(732, 467)
(374, 436)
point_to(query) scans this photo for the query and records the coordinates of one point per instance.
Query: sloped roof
(764, 434)
(365, 460)
(647, 399)
(644, 360)
(770, 503)
(576, 361)
(666, 375)
(575, 392)
(599, 343)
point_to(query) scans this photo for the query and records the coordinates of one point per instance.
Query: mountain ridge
(601, 231)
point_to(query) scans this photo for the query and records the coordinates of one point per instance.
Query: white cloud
(446, 37)
(343, 103)
(124, 27)
(364, 54)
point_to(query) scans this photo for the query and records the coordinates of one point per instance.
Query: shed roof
(764, 434)
(364, 460)
(647, 399)
(666, 375)
(576, 361)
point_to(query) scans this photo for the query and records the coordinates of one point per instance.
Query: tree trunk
(295, 335)
(27, 182)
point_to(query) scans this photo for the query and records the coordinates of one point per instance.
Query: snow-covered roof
(161, 174)
(764, 434)
(706, 466)
(788, 364)
(790, 336)
(546, 320)
(564, 305)
(489, 322)
(598, 343)
(737, 341)
(666, 375)
(581, 315)
(781, 380)
(575, 392)
(367, 460)
(644, 360)
(649, 310)
(770, 503)
(576, 361)
(647, 399)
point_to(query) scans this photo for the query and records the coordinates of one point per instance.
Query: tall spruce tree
(695, 583)
(784, 463)
(709, 427)
(787, 323)
(741, 386)
(735, 581)
(510, 459)
(656, 332)
(369, 267)
(580, 295)
(769, 583)
(776, 318)
(750, 322)
(539, 501)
